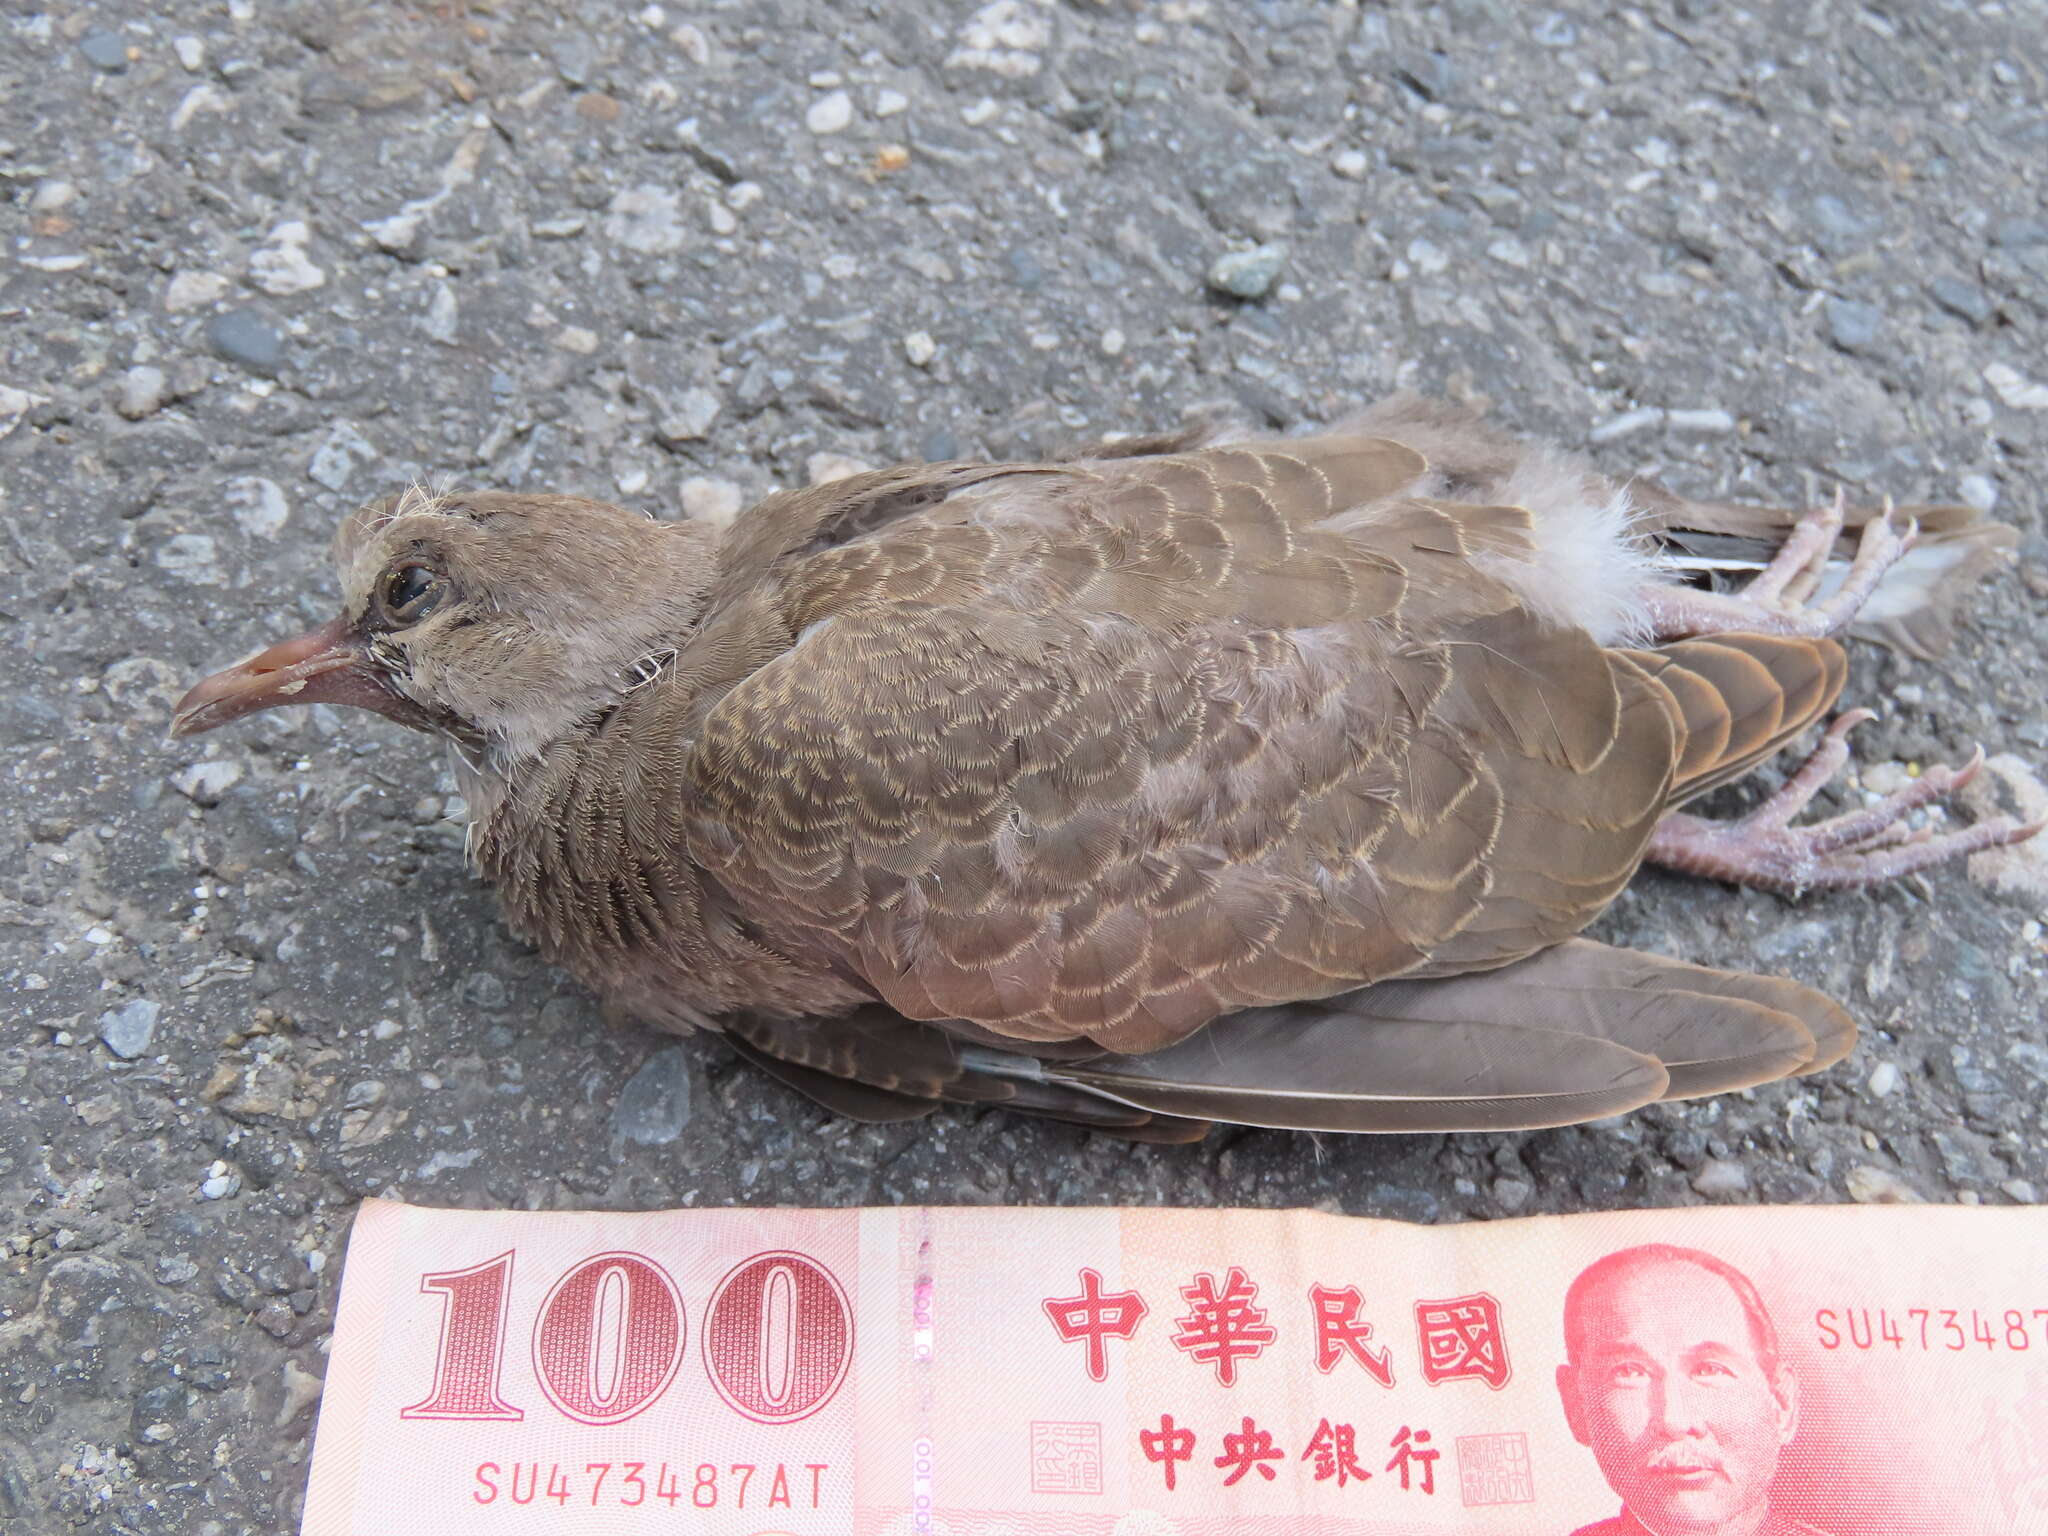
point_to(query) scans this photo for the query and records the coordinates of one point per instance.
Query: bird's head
(489, 617)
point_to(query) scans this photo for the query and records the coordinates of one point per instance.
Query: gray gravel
(266, 260)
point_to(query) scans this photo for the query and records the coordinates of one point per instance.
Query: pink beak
(329, 665)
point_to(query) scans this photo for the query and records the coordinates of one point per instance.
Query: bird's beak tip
(323, 665)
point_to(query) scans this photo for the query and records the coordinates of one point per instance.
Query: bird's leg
(1863, 847)
(1777, 600)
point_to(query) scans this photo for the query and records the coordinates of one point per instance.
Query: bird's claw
(1785, 588)
(1780, 599)
(1857, 848)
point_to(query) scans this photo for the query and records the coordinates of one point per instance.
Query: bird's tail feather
(1740, 699)
(1576, 1032)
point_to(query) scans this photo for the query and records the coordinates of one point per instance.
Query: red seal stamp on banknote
(1494, 1469)
(1066, 1456)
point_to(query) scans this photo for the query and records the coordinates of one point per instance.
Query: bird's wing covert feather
(1111, 751)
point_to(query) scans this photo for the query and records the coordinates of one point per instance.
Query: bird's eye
(410, 593)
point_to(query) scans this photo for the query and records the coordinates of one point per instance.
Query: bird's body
(1001, 782)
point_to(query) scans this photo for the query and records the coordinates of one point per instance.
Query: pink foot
(1776, 600)
(1864, 847)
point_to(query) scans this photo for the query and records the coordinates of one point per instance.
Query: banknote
(1856, 1371)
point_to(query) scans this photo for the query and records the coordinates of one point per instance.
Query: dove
(1199, 778)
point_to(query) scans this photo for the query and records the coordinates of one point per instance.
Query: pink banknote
(1866, 1370)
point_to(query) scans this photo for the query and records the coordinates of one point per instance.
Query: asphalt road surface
(264, 261)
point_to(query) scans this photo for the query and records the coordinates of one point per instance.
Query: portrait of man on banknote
(1674, 1379)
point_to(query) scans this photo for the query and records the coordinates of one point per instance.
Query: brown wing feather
(1114, 752)
(1575, 1032)
(1740, 699)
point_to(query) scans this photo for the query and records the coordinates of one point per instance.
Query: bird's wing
(1578, 1031)
(1114, 750)
(875, 1065)
(790, 525)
